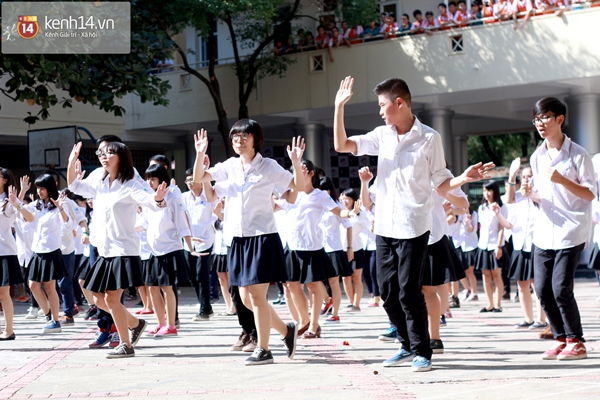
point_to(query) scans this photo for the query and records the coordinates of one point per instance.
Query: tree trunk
(486, 146)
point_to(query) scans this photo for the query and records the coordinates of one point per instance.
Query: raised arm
(340, 140)
(201, 144)
(365, 176)
(474, 173)
(295, 153)
(12, 198)
(515, 166)
(73, 157)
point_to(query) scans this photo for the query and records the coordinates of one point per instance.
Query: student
(417, 25)
(116, 196)
(10, 272)
(565, 187)
(492, 257)
(256, 256)
(403, 214)
(219, 263)
(476, 13)
(445, 19)
(168, 266)
(462, 15)
(47, 264)
(466, 242)
(405, 25)
(390, 27)
(430, 23)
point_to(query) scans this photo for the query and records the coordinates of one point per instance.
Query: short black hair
(442, 5)
(550, 104)
(352, 193)
(247, 125)
(161, 159)
(310, 166)
(68, 193)
(429, 13)
(393, 88)
(320, 26)
(327, 184)
(189, 172)
(452, 3)
(417, 12)
(461, 1)
(407, 16)
(108, 139)
(126, 171)
(157, 171)
(6, 173)
(47, 182)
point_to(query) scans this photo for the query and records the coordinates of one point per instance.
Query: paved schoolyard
(485, 358)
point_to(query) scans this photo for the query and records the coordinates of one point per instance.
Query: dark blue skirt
(486, 260)
(219, 263)
(521, 266)
(45, 267)
(307, 266)
(113, 273)
(256, 259)
(339, 263)
(10, 271)
(166, 270)
(83, 268)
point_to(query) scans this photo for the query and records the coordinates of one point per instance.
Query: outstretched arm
(340, 140)
(365, 176)
(201, 144)
(474, 173)
(295, 153)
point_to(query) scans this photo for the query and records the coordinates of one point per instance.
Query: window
(185, 82)
(456, 44)
(316, 63)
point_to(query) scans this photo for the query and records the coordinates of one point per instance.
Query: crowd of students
(410, 235)
(456, 14)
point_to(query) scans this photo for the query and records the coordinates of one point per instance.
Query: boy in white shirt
(565, 187)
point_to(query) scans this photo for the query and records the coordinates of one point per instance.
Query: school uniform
(406, 169)
(465, 241)
(360, 225)
(563, 228)
(254, 253)
(306, 260)
(10, 272)
(489, 230)
(334, 228)
(89, 252)
(47, 262)
(522, 216)
(370, 270)
(115, 209)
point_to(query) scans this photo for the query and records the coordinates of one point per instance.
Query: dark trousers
(370, 273)
(65, 285)
(245, 316)
(199, 273)
(214, 284)
(508, 248)
(554, 276)
(77, 292)
(400, 264)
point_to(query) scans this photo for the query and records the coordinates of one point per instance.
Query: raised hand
(60, 201)
(495, 208)
(206, 162)
(12, 196)
(75, 152)
(25, 184)
(357, 206)
(79, 172)
(365, 174)
(553, 175)
(515, 166)
(344, 93)
(201, 141)
(478, 172)
(161, 192)
(297, 150)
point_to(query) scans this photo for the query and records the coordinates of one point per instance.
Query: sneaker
(51, 327)
(333, 318)
(49, 316)
(506, 296)
(115, 340)
(523, 324)
(420, 364)
(154, 331)
(353, 309)
(250, 346)
(121, 351)
(41, 313)
(464, 295)
(448, 314)
(291, 339)
(90, 314)
(241, 342)
(22, 299)
(280, 300)
(401, 356)
(327, 306)
(373, 303)
(537, 325)
(436, 346)
(442, 320)
(101, 339)
(144, 311)
(553, 352)
(166, 331)
(32, 313)
(472, 297)
(201, 317)
(136, 333)
(389, 336)
(453, 301)
(350, 306)
(575, 350)
(76, 310)
(259, 357)
(65, 320)
(397, 341)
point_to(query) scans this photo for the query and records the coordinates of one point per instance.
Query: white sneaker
(472, 297)
(40, 313)
(464, 295)
(32, 313)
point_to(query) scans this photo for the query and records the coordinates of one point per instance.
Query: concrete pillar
(583, 114)
(461, 158)
(313, 137)
(441, 121)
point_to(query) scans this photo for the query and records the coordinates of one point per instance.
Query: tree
(501, 149)
(51, 79)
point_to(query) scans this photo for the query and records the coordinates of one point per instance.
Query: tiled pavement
(485, 358)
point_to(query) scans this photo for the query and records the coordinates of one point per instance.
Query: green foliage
(360, 12)
(504, 148)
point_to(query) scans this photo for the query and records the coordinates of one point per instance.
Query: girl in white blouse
(10, 271)
(491, 258)
(116, 196)
(255, 256)
(465, 239)
(47, 264)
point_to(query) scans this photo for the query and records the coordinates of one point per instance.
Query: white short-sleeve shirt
(440, 221)
(406, 167)
(490, 226)
(467, 241)
(8, 215)
(201, 219)
(334, 228)
(48, 225)
(248, 192)
(167, 227)
(564, 219)
(522, 217)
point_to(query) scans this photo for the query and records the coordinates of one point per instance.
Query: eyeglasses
(102, 154)
(544, 119)
(240, 136)
(189, 180)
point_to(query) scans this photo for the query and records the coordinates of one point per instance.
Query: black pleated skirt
(594, 262)
(307, 266)
(44, 267)
(521, 266)
(360, 260)
(83, 268)
(166, 270)
(10, 271)
(113, 273)
(256, 259)
(486, 260)
(340, 264)
(468, 258)
(444, 264)
(219, 263)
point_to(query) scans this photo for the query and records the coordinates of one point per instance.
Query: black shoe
(436, 346)
(279, 300)
(496, 310)
(506, 296)
(90, 313)
(260, 357)
(454, 301)
(290, 339)
(49, 316)
(136, 333)
(11, 337)
(486, 310)
(121, 351)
